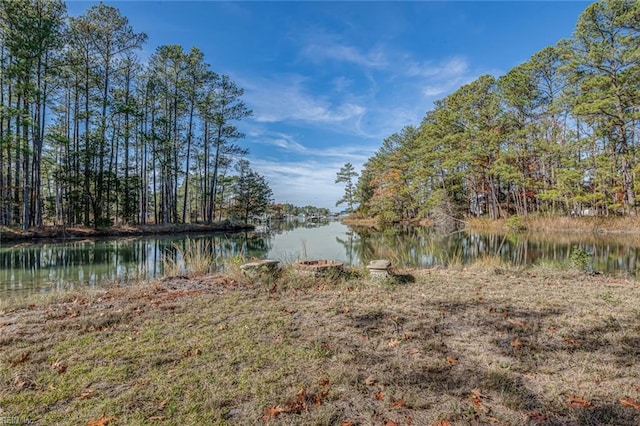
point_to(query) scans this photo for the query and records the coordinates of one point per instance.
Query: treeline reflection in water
(36, 267)
(423, 247)
(28, 268)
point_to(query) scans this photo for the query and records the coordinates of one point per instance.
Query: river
(45, 266)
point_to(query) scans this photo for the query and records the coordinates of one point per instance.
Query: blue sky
(329, 81)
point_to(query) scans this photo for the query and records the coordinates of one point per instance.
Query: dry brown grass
(481, 345)
(591, 225)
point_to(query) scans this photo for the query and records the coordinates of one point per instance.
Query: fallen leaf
(536, 417)
(452, 360)
(319, 397)
(163, 404)
(59, 366)
(391, 423)
(379, 396)
(301, 400)
(86, 394)
(476, 396)
(324, 382)
(442, 423)
(476, 392)
(517, 323)
(346, 423)
(571, 342)
(476, 401)
(393, 343)
(516, 343)
(630, 402)
(192, 352)
(399, 403)
(577, 402)
(552, 329)
(102, 421)
(408, 420)
(413, 351)
(22, 358)
(369, 381)
(272, 412)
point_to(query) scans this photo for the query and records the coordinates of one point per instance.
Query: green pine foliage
(91, 135)
(555, 135)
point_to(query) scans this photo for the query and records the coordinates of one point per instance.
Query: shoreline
(81, 232)
(594, 225)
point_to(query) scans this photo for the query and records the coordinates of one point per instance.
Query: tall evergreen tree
(346, 175)
(252, 193)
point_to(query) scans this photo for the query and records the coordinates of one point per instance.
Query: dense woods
(91, 135)
(557, 134)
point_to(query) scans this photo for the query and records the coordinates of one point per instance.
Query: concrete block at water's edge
(260, 267)
(380, 268)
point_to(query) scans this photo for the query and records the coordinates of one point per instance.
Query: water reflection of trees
(38, 267)
(34, 267)
(422, 247)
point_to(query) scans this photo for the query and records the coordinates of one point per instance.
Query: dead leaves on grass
(516, 343)
(102, 421)
(59, 366)
(517, 323)
(20, 359)
(536, 417)
(476, 397)
(577, 402)
(191, 352)
(630, 402)
(300, 403)
(86, 394)
(571, 342)
(370, 381)
(399, 403)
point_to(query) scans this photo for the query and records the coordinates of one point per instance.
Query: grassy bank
(482, 345)
(592, 225)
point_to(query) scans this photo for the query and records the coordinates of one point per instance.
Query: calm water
(28, 267)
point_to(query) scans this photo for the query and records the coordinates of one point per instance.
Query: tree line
(91, 135)
(557, 134)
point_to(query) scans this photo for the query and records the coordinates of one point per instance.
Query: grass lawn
(482, 345)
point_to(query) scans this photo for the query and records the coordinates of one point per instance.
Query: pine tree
(346, 175)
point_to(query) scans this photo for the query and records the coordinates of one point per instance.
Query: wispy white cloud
(302, 182)
(354, 153)
(334, 51)
(450, 67)
(279, 140)
(287, 98)
(380, 93)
